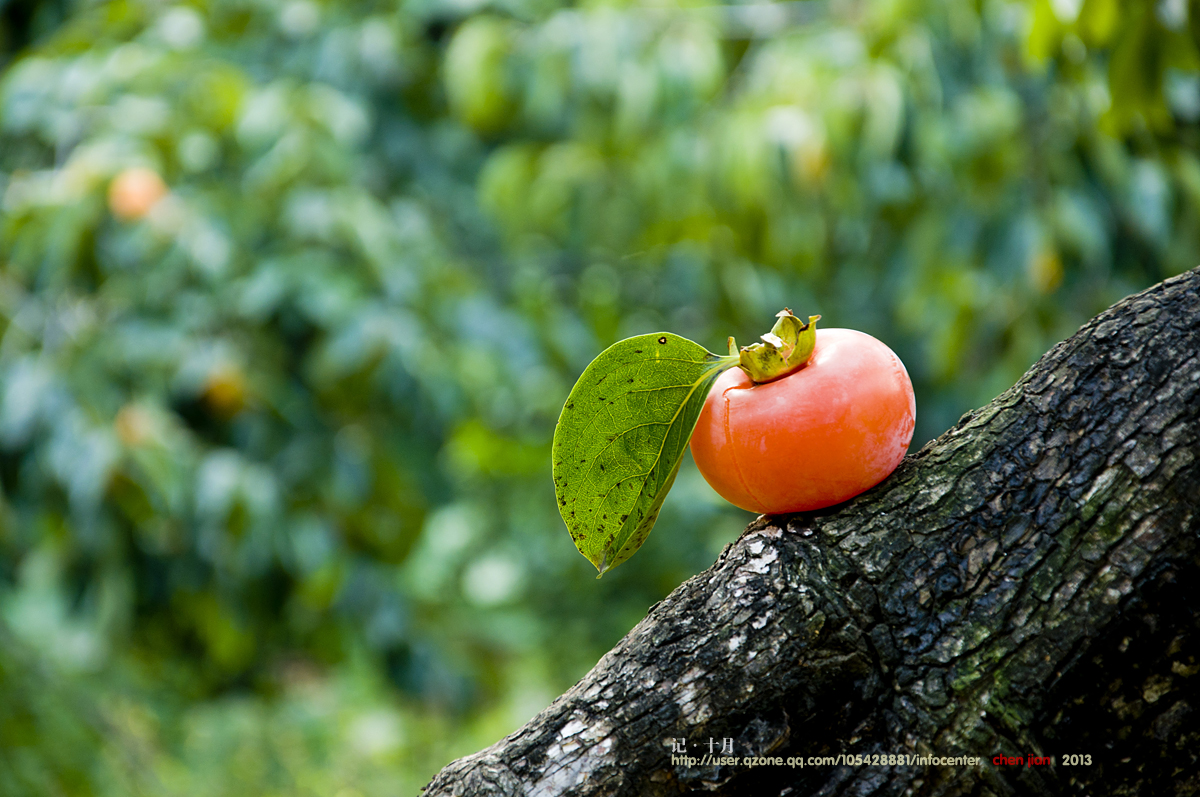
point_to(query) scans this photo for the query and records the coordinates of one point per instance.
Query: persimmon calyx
(784, 350)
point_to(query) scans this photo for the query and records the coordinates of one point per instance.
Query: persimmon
(134, 192)
(806, 419)
(797, 438)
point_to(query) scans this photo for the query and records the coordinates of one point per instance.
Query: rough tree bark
(1023, 585)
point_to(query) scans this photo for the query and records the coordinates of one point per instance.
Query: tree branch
(950, 611)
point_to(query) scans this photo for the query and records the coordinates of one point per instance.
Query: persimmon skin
(816, 437)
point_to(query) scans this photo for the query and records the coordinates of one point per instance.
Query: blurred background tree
(291, 294)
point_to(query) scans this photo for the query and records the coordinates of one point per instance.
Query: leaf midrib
(638, 365)
(658, 456)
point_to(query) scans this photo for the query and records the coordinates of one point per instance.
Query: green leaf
(621, 436)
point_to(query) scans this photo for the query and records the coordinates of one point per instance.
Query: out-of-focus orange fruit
(133, 193)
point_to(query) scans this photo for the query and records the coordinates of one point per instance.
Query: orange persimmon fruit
(134, 192)
(818, 436)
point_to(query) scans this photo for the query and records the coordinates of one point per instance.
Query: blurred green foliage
(276, 512)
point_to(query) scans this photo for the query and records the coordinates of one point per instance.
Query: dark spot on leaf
(637, 351)
(631, 381)
(572, 404)
(624, 518)
(663, 339)
(601, 468)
